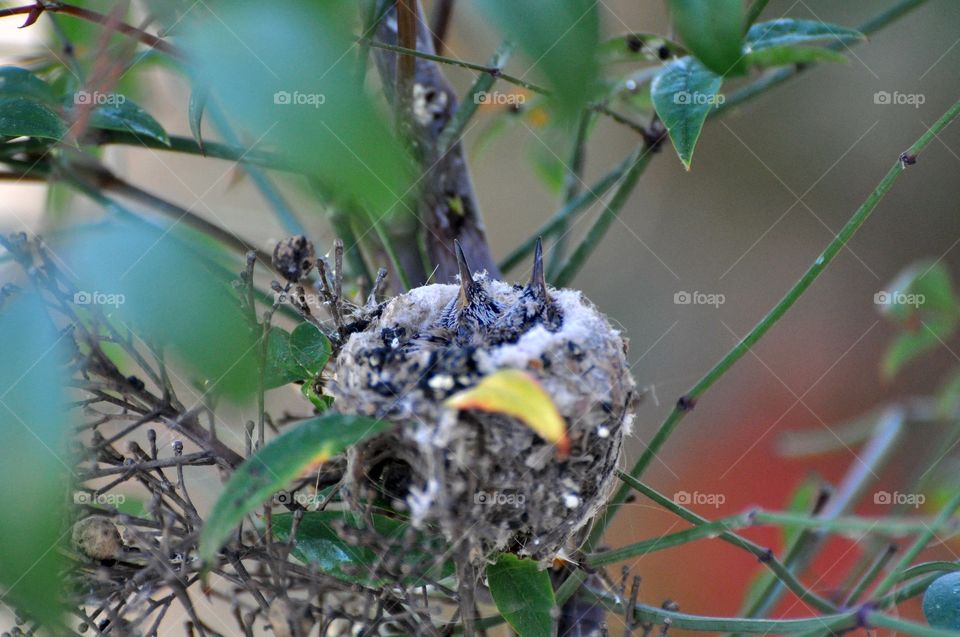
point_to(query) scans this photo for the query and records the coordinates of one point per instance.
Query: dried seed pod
(97, 537)
(485, 476)
(293, 258)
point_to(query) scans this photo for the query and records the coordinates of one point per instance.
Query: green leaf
(307, 444)
(33, 458)
(922, 301)
(559, 38)
(17, 82)
(281, 367)
(292, 84)
(683, 95)
(908, 346)
(299, 356)
(321, 540)
(713, 31)
(788, 31)
(780, 55)
(310, 348)
(198, 101)
(523, 595)
(922, 289)
(948, 397)
(126, 116)
(21, 116)
(548, 168)
(153, 282)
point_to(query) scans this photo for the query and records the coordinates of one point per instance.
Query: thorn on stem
(906, 159)
(686, 403)
(33, 16)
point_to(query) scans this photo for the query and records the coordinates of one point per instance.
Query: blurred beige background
(771, 182)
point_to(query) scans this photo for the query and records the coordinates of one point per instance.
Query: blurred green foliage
(288, 78)
(34, 462)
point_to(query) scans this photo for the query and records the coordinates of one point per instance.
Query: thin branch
(596, 232)
(686, 403)
(34, 10)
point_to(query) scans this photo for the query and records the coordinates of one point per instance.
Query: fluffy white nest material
(484, 477)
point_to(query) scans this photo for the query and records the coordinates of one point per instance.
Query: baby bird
(471, 314)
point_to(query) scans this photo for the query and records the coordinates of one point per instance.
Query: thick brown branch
(447, 206)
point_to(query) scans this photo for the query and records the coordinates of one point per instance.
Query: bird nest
(485, 478)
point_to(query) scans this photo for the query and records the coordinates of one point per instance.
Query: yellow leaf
(518, 394)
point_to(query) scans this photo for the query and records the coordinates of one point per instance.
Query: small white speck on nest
(571, 501)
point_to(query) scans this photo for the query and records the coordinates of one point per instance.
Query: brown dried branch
(447, 207)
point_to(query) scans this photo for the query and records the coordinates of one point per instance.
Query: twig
(447, 207)
(596, 232)
(686, 403)
(34, 10)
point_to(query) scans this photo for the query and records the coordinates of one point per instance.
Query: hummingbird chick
(486, 476)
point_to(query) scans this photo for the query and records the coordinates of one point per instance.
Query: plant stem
(468, 106)
(189, 146)
(897, 624)
(97, 18)
(685, 403)
(872, 573)
(834, 623)
(103, 180)
(686, 621)
(573, 178)
(594, 236)
(728, 524)
(565, 214)
(570, 586)
(764, 555)
(777, 77)
(861, 472)
(599, 107)
(893, 576)
(442, 59)
(928, 567)
(663, 542)
(285, 215)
